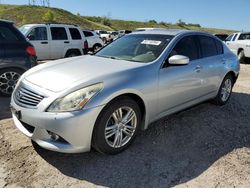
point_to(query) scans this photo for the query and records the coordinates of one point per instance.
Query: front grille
(26, 97)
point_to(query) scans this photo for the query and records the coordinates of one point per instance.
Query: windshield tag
(151, 42)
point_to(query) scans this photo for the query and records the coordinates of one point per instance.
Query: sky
(224, 14)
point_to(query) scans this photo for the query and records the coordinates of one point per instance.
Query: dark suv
(16, 56)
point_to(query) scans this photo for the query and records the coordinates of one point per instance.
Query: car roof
(6, 21)
(172, 32)
(51, 24)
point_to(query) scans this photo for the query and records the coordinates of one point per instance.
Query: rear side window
(75, 34)
(219, 47)
(208, 46)
(38, 33)
(88, 34)
(245, 36)
(58, 33)
(187, 47)
(7, 34)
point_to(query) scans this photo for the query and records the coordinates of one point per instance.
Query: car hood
(59, 75)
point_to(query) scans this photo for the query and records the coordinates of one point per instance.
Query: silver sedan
(103, 100)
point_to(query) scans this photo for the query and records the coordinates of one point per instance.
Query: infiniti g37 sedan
(103, 100)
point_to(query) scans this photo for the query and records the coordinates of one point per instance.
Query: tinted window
(8, 34)
(38, 33)
(75, 34)
(88, 34)
(219, 47)
(187, 47)
(58, 33)
(208, 46)
(245, 36)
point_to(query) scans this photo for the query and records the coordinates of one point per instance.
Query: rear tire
(116, 126)
(8, 80)
(225, 91)
(72, 53)
(96, 47)
(241, 56)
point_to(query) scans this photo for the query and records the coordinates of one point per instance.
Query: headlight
(75, 100)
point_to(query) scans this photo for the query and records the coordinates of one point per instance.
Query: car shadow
(174, 150)
(5, 108)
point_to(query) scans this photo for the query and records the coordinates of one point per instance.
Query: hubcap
(8, 82)
(226, 90)
(120, 127)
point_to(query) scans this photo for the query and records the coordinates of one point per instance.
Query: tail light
(86, 45)
(31, 51)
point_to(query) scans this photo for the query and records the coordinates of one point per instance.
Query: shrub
(48, 17)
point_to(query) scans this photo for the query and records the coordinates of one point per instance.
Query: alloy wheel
(226, 90)
(120, 127)
(8, 81)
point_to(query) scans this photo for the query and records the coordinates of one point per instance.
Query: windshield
(139, 48)
(24, 29)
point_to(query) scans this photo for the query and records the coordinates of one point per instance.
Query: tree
(48, 17)
(152, 21)
(106, 21)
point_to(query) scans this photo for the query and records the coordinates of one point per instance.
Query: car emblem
(19, 95)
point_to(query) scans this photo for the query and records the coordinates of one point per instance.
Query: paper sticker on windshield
(151, 42)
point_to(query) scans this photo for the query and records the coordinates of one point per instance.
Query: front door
(180, 85)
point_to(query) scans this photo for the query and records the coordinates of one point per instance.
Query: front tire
(116, 126)
(241, 56)
(225, 91)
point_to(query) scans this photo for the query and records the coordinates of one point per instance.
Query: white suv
(94, 40)
(55, 41)
(105, 36)
(239, 43)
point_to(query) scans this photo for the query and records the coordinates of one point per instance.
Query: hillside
(35, 14)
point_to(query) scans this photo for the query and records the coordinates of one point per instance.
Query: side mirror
(178, 60)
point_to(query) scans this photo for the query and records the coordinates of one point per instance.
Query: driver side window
(187, 47)
(38, 33)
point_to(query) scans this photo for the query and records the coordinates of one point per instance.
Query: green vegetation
(48, 17)
(35, 14)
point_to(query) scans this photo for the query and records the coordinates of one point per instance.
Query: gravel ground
(205, 146)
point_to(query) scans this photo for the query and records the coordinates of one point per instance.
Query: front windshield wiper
(110, 57)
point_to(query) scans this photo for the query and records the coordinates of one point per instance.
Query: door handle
(198, 68)
(66, 42)
(44, 42)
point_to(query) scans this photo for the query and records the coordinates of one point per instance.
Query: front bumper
(73, 128)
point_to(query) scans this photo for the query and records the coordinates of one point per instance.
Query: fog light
(53, 136)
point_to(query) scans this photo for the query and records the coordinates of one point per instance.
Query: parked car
(222, 37)
(94, 41)
(55, 41)
(105, 36)
(123, 32)
(16, 56)
(239, 43)
(147, 29)
(106, 98)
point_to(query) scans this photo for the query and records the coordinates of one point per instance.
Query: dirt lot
(205, 146)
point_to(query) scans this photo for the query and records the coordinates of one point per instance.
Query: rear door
(59, 42)
(211, 64)
(38, 36)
